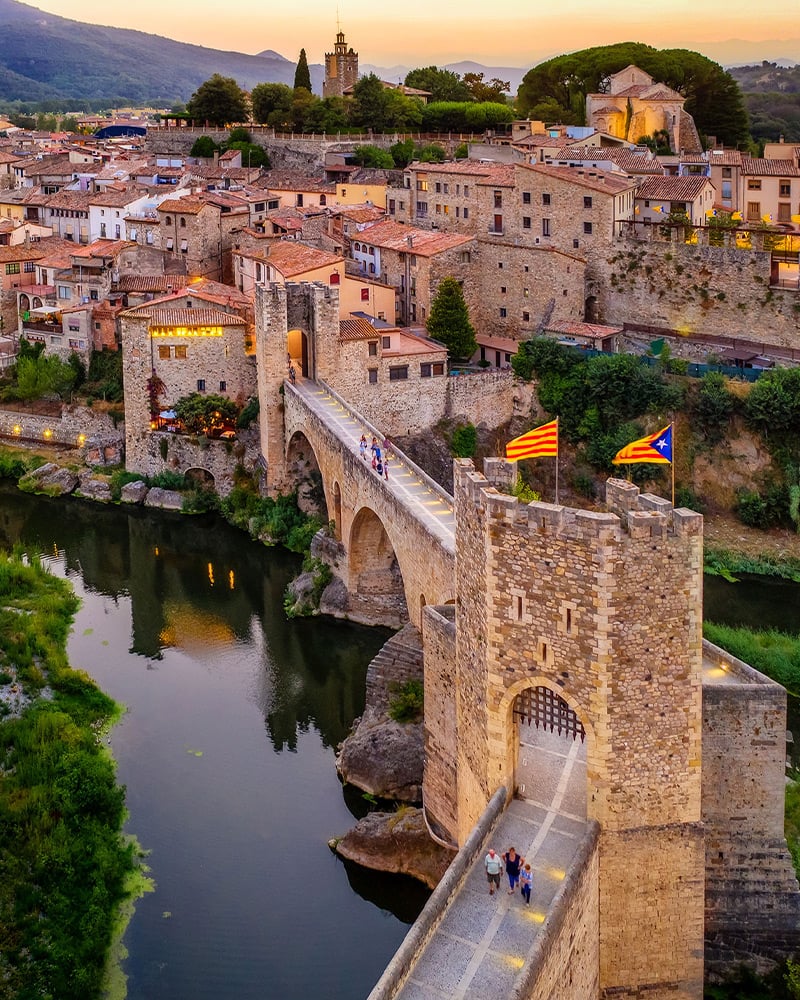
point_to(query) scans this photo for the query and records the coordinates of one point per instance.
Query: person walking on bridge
(526, 883)
(494, 869)
(513, 863)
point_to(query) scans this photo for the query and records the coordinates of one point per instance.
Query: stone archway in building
(303, 469)
(377, 591)
(201, 478)
(551, 743)
(24, 304)
(297, 351)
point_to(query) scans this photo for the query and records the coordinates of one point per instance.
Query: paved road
(432, 508)
(481, 944)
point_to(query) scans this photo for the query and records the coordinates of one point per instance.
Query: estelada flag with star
(655, 448)
(541, 442)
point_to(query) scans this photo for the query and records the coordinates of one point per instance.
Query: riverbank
(66, 867)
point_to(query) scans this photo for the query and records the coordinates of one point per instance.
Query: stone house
(189, 341)
(17, 270)
(637, 161)
(440, 195)
(770, 191)
(201, 229)
(725, 171)
(295, 189)
(67, 212)
(658, 197)
(341, 68)
(51, 173)
(365, 186)
(635, 105)
(109, 209)
(7, 161)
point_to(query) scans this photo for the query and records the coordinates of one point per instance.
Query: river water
(227, 754)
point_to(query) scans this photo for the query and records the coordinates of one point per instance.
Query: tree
(490, 90)
(302, 76)
(272, 104)
(441, 84)
(218, 101)
(44, 375)
(204, 146)
(448, 320)
(201, 414)
(369, 103)
(253, 155)
(373, 156)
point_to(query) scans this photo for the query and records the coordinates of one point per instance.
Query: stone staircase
(398, 661)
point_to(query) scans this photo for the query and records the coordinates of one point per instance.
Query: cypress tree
(302, 76)
(448, 320)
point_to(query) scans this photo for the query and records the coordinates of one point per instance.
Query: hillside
(43, 56)
(772, 99)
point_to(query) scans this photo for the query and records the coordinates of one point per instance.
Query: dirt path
(725, 532)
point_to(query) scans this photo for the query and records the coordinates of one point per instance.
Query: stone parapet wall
(441, 731)
(398, 662)
(710, 290)
(565, 959)
(218, 458)
(76, 426)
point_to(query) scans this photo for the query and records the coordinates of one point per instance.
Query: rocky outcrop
(94, 489)
(381, 756)
(51, 479)
(134, 492)
(165, 499)
(396, 842)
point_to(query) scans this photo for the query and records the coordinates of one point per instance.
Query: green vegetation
(64, 867)
(744, 984)
(203, 413)
(373, 156)
(277, 521)
(464, 441)
(448, 320)
(407, 702)
(774, 653)
(712, 96)
(322, 574)
(104, 378)
(218, 101)
(772, 98)
(302, 76)
(16, 464)
(36, 375)
(249, 413)
(441, 84)
(723, 562)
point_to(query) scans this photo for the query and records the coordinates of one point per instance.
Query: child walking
(362, 447)
(526, 883)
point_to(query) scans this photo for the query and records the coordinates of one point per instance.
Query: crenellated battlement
(632, 516)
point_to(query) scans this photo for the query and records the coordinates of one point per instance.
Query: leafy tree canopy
(253, 155)
(712, 96)
(218, 101)
(484, 91)
(442, 84)
(452, 116)
(448, 320)
(203, 145)
(272, 104)
(201, 413)
(373, 156)
(302, 76)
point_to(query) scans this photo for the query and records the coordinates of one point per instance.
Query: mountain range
(46, 57)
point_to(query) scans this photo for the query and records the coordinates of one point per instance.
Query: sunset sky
(414, 32)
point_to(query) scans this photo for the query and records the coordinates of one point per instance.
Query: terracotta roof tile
(392, 235)
(769, 168)
(672, 188)
(357, 328)
(182, 206)
(21, 252)
(292, 258)
(598, 180)
(160, 316)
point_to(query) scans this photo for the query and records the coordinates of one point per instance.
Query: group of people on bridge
(519, 873)
(380, 459)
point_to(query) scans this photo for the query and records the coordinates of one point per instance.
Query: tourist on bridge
(386, 467)
(513, 863)
(494, 869)
(362, 447)
(379, 467)
(526, 883)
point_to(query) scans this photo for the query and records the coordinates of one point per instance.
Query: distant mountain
(43, 56)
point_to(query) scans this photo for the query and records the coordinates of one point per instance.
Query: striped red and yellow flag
(541, 442)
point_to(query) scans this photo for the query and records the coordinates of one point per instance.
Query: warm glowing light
(153, 425)
(534, 915)
(186, 331)
(557, 873)
(515, 961)
(211, 574)
(81, 440)
(230, 579)
(47, 433)
(155, 551)
(16, 429)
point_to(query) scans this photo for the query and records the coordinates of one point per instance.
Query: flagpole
(557, 456)
(672, 463)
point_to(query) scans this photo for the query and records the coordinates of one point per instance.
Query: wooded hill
(772, 98)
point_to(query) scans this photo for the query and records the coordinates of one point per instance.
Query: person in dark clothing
(513, 863)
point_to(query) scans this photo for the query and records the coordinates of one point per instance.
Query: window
(163, 352)
(365, 291)
(503, 289)
(386, 343)
(12, 268)
(170, 244)
(372, 348)
(545, 227)
(726, 171)
(94, 295)
(334, 278)
(201, 385)
(180, 351)
(465, 257)
(526, 197)
(577, 243)
(545, 199)
(391, 206)
(587, 228)
(299, 201)
(223, 386)
(498, 199)
(425, 369)
(526, 316)
(784, 189)
(97, 326)
(500, 265)
(526, 268)
(503, 312)
(323, 199)
(184, 246)
(373, 376)
(525, 293)
(447, 189)
(438, 209)
(526, 222)
(753, 184)
(398, 373)
(63, 291)
(726, 191)
(371, 271)
(438, 188)
(587, 201)
(168, 220)
(466, 213)
(183, 223)
(466, 192)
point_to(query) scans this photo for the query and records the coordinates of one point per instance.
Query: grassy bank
(64, 866)
(774, 653)
(729, 564)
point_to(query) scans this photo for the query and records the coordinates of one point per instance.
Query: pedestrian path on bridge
(483, 941)
(429, 503)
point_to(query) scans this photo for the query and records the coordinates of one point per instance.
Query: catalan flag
(541, 442)
(655, 448)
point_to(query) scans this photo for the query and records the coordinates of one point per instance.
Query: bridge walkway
(482, 942)
(411, 487)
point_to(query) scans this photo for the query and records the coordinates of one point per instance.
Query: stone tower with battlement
(341, 68)
(313, 310)
(605, 609)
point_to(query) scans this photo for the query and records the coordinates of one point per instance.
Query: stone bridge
(397, 536)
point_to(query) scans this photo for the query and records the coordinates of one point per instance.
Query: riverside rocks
(396, 842)
(94, 489)
(384, 758)
(134, 492)
(52, 479)
(165, 499)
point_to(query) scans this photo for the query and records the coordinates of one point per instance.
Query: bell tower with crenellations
(341, 68)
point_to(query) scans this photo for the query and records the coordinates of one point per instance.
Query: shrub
(249, 413)
(464, 441)
(713, 406)
(407, 702)
(168, 480)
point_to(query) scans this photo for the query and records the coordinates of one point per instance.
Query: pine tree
(302, 76)
(449, 322)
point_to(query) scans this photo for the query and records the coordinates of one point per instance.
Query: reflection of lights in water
(231, 579)
(186, 627)
(155, 551)
(211, 574)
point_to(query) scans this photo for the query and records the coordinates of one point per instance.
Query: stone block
(134, 492)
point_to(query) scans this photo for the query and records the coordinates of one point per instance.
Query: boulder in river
(50, 479)
(384, 758)
(165, 499)
(135, 492)
(94, 489)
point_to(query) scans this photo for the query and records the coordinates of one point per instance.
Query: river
(227, 753)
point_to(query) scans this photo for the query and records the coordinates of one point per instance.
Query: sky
(417, 33)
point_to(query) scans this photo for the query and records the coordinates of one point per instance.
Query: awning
(44, 311)
(168, 415)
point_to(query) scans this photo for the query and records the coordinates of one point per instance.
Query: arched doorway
(551, 754)
(297, 350)
(303, 469)
(201, 478)
(377, 591)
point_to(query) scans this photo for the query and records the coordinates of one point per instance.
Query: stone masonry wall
(439, 642)
(752, 896)
(68, 428)
(694, 289)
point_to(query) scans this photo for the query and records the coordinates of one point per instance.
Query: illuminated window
(164, 351)
(180, 351)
